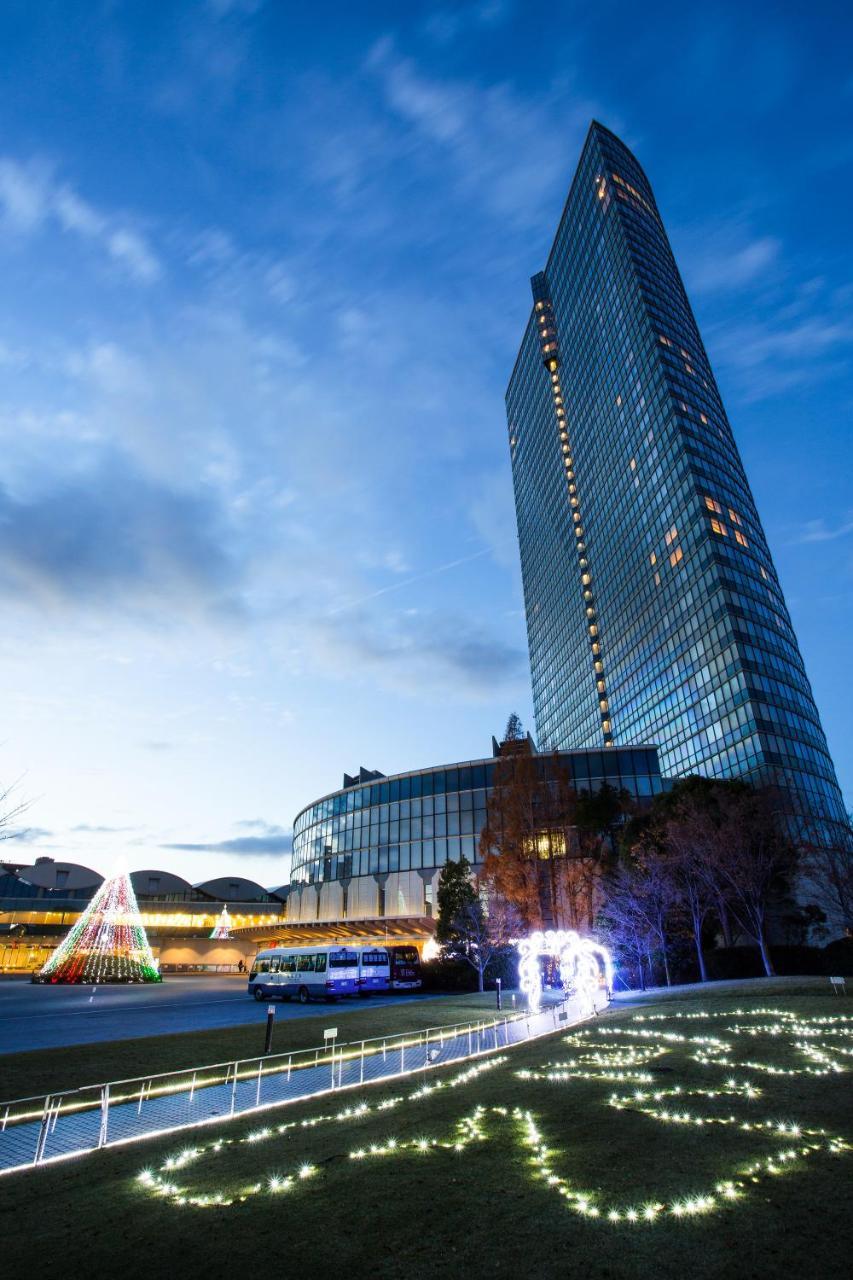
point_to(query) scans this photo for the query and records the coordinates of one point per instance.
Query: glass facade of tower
(654, 612)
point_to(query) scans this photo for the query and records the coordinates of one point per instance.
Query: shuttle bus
(374, 970)
(405, 969)
(305, 972)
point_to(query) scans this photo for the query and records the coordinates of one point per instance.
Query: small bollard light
(498, 991)
(270, 1025)
(513, 999)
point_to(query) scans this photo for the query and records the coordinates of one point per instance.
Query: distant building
(653, 607)
(366, 862)
(40, 903)
(367, 858)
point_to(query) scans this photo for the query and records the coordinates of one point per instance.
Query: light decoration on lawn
(222, 928)
(583, 964)
(107, 944)
(601, 1054)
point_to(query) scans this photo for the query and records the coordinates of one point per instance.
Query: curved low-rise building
(367, 858)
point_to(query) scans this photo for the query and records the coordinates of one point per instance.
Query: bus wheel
(303, 995)
(259, 993)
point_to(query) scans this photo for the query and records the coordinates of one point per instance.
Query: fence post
(361, 1077)
(402, 1056)
(258, 1089)
(289, 1065)
(105, 1115)
(42, 1134)
(192, 1087)
(234, 1089)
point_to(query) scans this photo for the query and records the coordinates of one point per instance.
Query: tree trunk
(480, 977)
(666, 964)
(700, 955)
(765, 952)
(725, 925)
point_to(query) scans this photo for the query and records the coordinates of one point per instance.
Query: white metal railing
(72, 1122)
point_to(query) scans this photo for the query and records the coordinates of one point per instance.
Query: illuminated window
(703, 418)
(677, 555)
(633, 464)
(670, 536)
(593, 629)
(600, 686)
(618, 402)
(585, 579)
(599, 666)
(712, 505)
(657, 579)
(606, 726)
(733, 515)
(602, 703)
(719, 528)
(653, 558)
(765, 575)
(740, 538)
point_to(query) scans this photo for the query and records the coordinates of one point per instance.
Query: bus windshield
(374, 957)
(342, 959)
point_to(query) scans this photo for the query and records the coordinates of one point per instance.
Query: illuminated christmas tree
(108, 942)
(222, 928)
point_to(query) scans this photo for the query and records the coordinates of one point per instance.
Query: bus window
(305, 964)
(275, 964)
(288, 964)
(374, 957)
(320, 962)
(342, 959)
(263, 966)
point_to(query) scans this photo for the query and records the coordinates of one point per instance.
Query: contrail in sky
(407, 582)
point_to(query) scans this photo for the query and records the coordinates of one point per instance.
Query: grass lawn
(542, 1162)
(26, 1074)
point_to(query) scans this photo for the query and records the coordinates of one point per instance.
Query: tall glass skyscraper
(654, 613)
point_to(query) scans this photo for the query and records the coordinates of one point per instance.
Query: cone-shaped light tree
(108, 942)
(222, 928)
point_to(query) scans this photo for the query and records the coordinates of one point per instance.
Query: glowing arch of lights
(583, 962)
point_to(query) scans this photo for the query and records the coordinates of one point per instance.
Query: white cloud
(30, 200)
(817, 531)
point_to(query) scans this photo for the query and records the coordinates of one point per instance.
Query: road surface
(44, 1017)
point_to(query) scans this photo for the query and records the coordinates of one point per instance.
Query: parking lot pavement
(45, 1017)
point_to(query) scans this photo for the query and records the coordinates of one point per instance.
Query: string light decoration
(107, 944)
(583, 964)
(606, 1054)
(222, 928)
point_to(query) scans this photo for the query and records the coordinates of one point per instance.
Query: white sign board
(331, 1033)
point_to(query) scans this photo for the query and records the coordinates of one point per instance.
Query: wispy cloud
(819, 531)
(31, 199)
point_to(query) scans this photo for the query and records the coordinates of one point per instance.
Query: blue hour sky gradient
(264, 278)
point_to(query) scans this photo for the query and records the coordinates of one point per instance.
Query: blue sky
(264, 281)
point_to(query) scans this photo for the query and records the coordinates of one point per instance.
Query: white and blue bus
(305, 972)
(374, 970)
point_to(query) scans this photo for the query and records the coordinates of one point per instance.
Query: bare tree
(827, 864)
(755, 860)
(11, 809)
(624, 919)
(473, 926)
